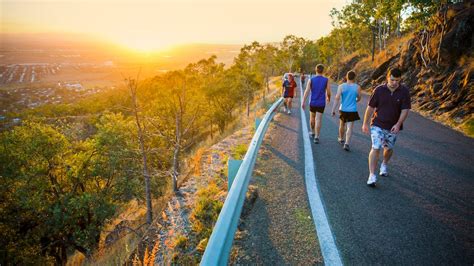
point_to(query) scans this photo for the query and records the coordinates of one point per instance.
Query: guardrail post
(232, 169)
(257, 122)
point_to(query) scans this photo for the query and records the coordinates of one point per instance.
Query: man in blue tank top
(349, 93)
(320, 89)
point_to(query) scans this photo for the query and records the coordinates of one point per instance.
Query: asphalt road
(421, 214)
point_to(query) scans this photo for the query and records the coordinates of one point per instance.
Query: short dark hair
(351, 75)
(394, 72)
(319, 68)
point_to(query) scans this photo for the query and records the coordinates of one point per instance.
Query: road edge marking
(323, 230)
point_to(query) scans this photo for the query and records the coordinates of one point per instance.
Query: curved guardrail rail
(220, 243)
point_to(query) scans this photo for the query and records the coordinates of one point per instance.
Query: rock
(436, 88)
(250, 198)
(119, 231)
(382, 69)
(340, 73)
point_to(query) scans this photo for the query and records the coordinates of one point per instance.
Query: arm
(283, 89)
(403, 115)
(368, 114)
(295, 92)
(328, 91)
(306, 93)
(337, 99)
(359, 93)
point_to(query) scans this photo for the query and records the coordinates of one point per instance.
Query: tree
(132, 86)
(175, 119)
(291, 51)
(245, 73)
(207, 74)
(56, 195)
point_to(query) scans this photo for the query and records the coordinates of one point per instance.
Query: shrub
(239, 151)
(206, 210)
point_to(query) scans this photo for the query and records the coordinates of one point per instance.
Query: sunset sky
(153, 25)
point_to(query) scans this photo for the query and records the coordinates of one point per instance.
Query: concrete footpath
(278, 229)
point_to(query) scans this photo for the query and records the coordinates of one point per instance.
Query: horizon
(136, 26)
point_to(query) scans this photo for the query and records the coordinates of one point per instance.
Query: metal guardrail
(220, 243)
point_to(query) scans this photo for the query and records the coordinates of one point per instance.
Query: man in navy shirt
(388, 107)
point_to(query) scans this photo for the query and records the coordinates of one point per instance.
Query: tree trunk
(176, 154)
(398, 24)
(248, 106)
(175, 168)
(384, 33)
(380, 34)
(149, 209)
(373, 42)
(267, 81)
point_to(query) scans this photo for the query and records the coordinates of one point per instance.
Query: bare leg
(319, 117)
(373, 158)
(387, 154)
(311, 121)
(290, 102)
(342, 126)
(350, 126)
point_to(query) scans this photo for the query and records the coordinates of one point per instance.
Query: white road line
(326, 239)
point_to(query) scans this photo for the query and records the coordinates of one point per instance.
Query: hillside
(437, 64)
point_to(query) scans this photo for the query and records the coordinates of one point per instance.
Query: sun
(142, 44)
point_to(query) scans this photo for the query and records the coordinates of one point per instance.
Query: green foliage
(468, 127)
(239, 151)
(57, 194)
(180, 243)
(205, 211)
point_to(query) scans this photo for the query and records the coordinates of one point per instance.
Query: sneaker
(371, 181)
(284, 109)
(289, 111)
(346, 147)
(383, 170)
(341, 141)
(316, 140)
(311, 135)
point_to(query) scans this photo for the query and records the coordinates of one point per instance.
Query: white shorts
(382, 138)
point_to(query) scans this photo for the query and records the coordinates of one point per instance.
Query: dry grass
(467, 127)
(196, 161)
(394, 46)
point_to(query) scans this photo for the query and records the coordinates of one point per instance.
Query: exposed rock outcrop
(438, 66)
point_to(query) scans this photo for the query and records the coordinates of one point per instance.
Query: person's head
(290, 76)
(394, 76)
(351, 75)
(319, 69)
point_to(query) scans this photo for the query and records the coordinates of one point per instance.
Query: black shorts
(314, 109)
(286, 97)
(349, 116)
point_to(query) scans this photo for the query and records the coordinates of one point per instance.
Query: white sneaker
(289, 111)
(383, 170)
(371, 181)
(284, 109)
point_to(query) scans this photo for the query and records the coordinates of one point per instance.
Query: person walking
(288, 92)
(387, 109)
(349, 93)
(320, 89)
